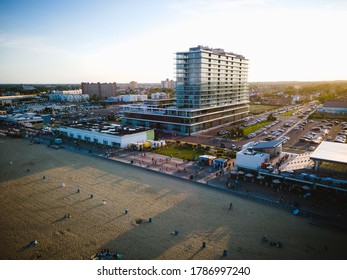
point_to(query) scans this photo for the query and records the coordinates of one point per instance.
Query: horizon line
(74, 83)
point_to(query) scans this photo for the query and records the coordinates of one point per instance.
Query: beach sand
(33, 208)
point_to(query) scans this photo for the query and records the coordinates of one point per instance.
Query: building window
(105, 142)
(95, 140)
(72, 135)
(79, 137)
(116, 145)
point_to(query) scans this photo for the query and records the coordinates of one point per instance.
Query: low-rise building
(108, 134)
(68, 96)
(206, 159)
(333, 107)
(273, 148)
(160, 95)
(127, 98)
(249, 158)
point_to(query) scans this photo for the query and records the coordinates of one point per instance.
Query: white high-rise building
(211, 90)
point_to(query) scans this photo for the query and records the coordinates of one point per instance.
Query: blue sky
(73, 41)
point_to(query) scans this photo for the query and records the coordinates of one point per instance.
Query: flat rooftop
(269, 144)
(108, 128)
(331, 152)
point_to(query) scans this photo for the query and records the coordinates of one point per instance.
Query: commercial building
(333, 107)
(160, 95)
(273, 148)
(99, 89)
(68, 96)
(331, 155)
(250, 159)
(108, 134)
(5, 100)
(211, 90)
(126, 98)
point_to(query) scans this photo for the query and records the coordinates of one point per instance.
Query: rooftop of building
(107, 128)
(336, 104)
(252, 153)
(331, 152)
(217, 51)
(269, 144)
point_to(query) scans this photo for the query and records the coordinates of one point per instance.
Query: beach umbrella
(240, 172)
(289, 171)
(249, 175)
(260, 177)
(270, 167)
(276, 181)
(306, 188)
(304, 174)
(313, 176)
(233, 172)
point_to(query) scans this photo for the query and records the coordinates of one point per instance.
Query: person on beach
(230, 206)
(32, 243)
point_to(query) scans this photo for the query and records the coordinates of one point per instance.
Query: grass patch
(255, 127)
(183, 152)
(258, 109)
(288, 114)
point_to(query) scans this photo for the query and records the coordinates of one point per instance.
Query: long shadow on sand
(59, 220)
(115, 218)
(30, 245)
(67, 196)
(146, 240)
(96, 206)
(88, 198)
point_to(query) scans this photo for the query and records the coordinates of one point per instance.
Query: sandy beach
(33, 208)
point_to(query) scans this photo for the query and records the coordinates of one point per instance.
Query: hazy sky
(46, 41)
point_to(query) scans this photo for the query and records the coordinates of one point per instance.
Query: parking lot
(302, 134)
(308, 134)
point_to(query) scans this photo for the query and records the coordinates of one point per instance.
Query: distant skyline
(46, 41)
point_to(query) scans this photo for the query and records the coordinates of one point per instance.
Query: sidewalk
(208, 177)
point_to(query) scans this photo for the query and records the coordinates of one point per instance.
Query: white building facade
(68, 96)
(117, 141)
(127, 98)
(250, 159)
